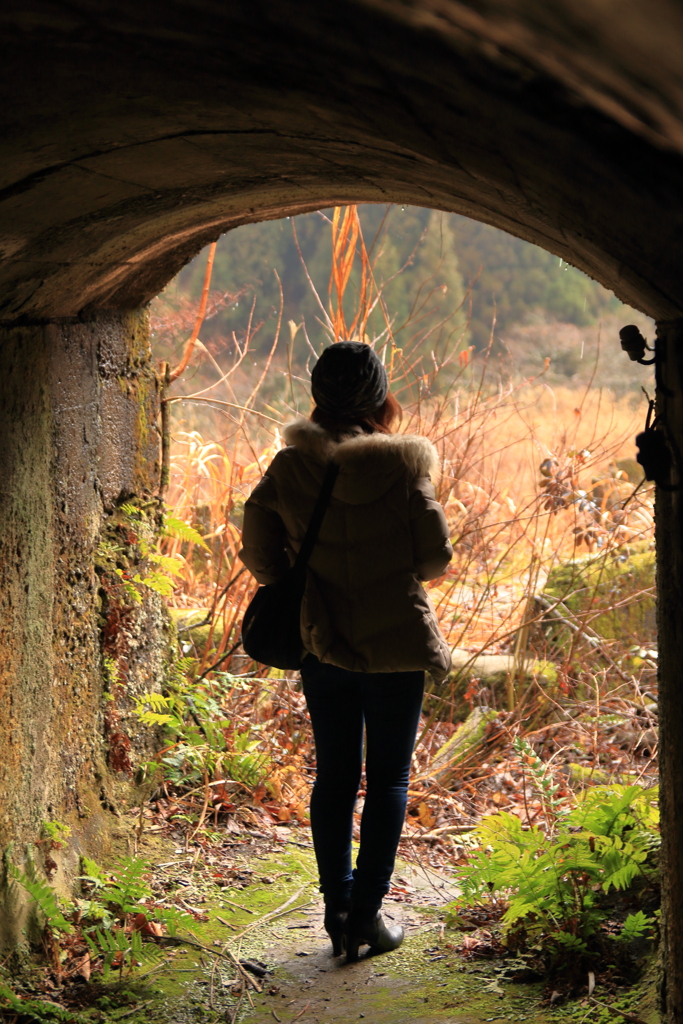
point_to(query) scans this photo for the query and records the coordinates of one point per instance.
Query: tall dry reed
(529, 475)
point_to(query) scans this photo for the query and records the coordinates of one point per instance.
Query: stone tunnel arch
(135, 132)
(132, 137)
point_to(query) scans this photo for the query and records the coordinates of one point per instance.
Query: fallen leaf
(493, 986)
(82, 966)
(427, 819)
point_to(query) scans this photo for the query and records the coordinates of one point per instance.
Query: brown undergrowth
(548, 602)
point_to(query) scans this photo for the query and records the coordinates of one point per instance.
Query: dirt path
(426, 980)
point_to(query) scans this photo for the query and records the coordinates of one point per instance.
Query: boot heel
(334, 926)
(366, 928)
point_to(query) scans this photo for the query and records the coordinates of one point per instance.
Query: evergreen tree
(422, 258)
(514, 280)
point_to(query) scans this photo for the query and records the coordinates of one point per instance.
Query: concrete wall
(669, 536)
(78, 430)
(133, 132)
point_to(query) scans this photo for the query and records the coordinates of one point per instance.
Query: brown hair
(381, 421)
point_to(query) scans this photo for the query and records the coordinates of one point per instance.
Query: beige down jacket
(384, 530)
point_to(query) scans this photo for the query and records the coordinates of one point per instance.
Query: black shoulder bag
(271, 630)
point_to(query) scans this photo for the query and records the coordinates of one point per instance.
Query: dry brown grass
(508, 531)
(528, 479)
(510, 525)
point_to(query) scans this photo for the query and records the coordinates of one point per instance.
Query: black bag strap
(319, 511)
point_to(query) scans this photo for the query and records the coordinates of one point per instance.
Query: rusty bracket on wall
(635, 346)
(654, 450)
(657, 452)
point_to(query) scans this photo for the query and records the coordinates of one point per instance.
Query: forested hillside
(454, 271)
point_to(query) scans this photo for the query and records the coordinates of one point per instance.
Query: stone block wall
(78, 434)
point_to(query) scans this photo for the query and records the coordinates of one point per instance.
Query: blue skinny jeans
(340, 703)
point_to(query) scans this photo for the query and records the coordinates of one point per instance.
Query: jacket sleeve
(264, 536)
(431, 542)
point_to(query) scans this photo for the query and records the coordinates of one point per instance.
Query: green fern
(33, 1011)
(56, 832)
(182, 531)
(129, 887)
(46, 899)
(169, 563)
(172, 918)
(553, 883)
(202, 740)
(117, 948)
(131, 511)
(92, 872)
(636, 926)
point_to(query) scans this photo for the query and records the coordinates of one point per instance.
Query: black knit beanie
(349, 381)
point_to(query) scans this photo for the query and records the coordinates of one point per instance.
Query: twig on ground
(226, 923)
(247, 979)
(238, 905)
(213, 972)
(613, 1012)
(272, 915)
(136, 1009)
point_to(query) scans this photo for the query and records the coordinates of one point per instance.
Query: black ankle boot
(365, 927)
(334, 926)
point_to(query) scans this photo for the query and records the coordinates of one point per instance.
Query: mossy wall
(78, 421)
(613, 594)
(669, 535)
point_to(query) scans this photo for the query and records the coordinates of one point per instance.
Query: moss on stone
(613, 593)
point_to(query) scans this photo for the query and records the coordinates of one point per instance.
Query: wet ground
(270, 914)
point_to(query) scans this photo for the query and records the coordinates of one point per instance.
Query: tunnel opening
(538, 571)
(131, 143)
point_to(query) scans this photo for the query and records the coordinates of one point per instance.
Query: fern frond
(46, 899)
(182, 531)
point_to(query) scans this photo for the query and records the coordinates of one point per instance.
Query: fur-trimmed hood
(370, 463)
(364, 608)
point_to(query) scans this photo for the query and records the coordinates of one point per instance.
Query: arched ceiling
(135, 131)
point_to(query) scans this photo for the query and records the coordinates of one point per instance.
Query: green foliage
(445, 254)
(111, 920)
(172, 918)
(182, 531)
(92, 872)
(113, 895)
(112, 675)
(123, 891)
(127, 888)
(541, 776)
(555, 883)
(416, 242)
(512, 279)
(119, 950)
(614, 592)
(130, 552)
(244, 763)
(33, 1011)
(45, 897)
(636, 926)
(202, 740)
(56, 832)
